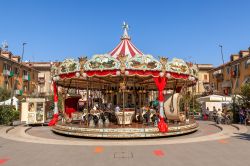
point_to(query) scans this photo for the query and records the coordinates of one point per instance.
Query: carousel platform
(117, 132)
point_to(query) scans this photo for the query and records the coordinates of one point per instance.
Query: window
(205, 77)
(235, 70)
(228, 70)
(6, 67)
(25, 72)
(15, 71)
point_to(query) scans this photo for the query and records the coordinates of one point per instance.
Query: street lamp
(221, 51)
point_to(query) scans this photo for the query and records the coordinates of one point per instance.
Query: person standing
(219, 116)
(242, 115)
(207, 112)
(214, 114)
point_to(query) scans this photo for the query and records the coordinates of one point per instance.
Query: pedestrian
(214, 114)
(242, 115)
(219, 116)
(207, 112)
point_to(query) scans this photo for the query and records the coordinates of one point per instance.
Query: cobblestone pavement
(231, 151)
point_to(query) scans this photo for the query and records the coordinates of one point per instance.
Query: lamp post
(221, 51)
(17, 74)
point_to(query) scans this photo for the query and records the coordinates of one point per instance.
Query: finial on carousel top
(125, 31)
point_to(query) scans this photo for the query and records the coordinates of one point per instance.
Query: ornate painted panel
(177, 66)
(145, 62)
(68, 66)
(102, 62)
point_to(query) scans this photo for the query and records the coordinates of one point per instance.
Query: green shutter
(11, 73)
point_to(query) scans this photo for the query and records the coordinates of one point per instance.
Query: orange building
(227, 79)
(11, 69)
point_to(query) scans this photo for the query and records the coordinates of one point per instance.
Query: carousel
(123, 94)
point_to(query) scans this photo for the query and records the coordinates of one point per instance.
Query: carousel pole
(123, 103)
(55, 98)
(87, 102)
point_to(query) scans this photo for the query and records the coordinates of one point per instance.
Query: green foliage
(245, 94)
(8, 114)
(192, 103)
(4, 94)
(51, 101)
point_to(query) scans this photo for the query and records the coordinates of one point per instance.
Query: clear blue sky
(188, 29)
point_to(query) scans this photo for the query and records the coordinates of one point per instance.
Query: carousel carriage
(128, 79)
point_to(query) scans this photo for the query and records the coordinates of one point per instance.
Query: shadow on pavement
(244, 136)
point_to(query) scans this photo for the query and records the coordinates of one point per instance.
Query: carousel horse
(67, 118)
(106, 122)
(84, 119)
(100, 122)
(91, 123)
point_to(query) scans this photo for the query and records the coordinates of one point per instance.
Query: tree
(4, 94)
(245, 94)
(8, 114)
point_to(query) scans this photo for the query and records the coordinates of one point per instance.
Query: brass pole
(123, 98)
(87, 103)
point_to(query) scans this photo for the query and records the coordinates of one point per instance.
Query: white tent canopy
(8, 102)
(215, 98)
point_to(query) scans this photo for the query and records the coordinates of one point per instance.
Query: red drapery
(101, 73)
(131, 73)
(71, 105)
(160, 83)
(144, 73)
(55, 92)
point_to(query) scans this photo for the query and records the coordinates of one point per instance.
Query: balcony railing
(8, 73)
(26, 77)
(18, 92)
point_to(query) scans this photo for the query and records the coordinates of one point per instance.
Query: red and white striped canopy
(125, 47)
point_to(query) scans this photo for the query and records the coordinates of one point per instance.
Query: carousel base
(124, 132)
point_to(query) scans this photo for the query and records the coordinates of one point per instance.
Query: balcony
(18, 92)
(217, 72)
(26, 77)
(8, 73)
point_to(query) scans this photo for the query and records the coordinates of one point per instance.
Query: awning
(217, 72)
(214, 98)
(248, 62)
(226, 84)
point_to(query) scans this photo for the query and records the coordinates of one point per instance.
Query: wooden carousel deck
(115, 131)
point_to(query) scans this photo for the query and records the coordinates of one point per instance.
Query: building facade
(227, 79)
(203, 76)
(11, 70)
(44, 77)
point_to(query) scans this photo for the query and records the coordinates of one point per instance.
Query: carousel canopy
(124, 60)
(125, 47)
